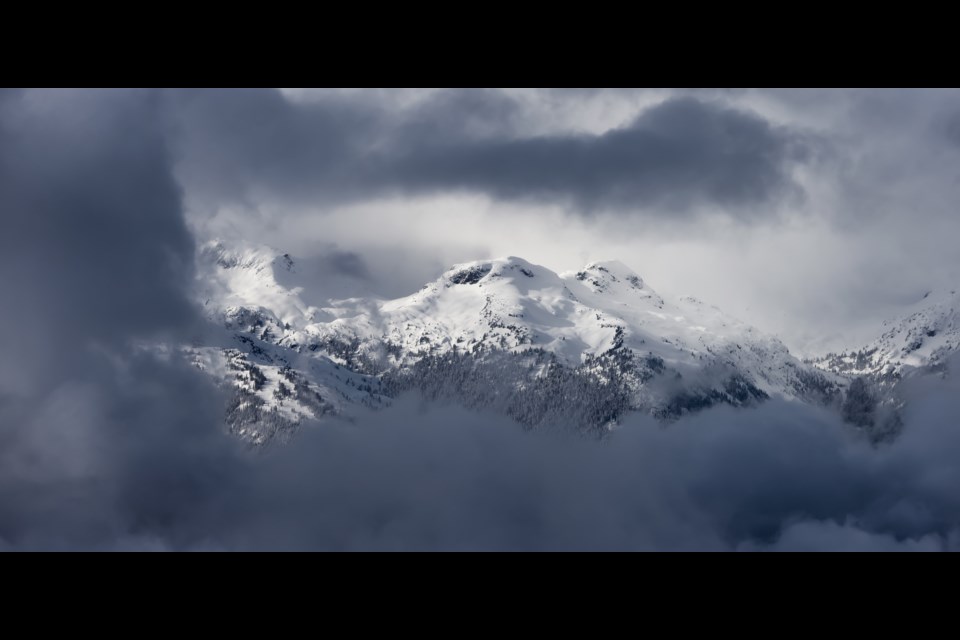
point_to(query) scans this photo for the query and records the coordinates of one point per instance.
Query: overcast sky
(814, 214)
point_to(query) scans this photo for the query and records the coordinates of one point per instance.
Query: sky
(812, 214)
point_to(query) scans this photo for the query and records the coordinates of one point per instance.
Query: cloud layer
(157, 474)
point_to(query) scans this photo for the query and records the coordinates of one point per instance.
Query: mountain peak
(478, 270)
(605, 274)
(610, 266)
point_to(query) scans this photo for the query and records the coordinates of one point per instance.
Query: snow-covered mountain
(917, 343)
(585, 346)
(923, 337)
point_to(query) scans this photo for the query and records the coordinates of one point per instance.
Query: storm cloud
(682, 153)
(95, 249)
(96, 259)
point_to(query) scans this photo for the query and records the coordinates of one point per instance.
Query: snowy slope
(511, 304)
(922, 338)
(252, 300)
(918, 343)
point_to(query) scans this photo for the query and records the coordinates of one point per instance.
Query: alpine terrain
(579, 348)
(918, 343)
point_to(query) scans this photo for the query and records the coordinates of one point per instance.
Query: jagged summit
(601, 274)
(611, 280)
(612, 271)
(487, 270)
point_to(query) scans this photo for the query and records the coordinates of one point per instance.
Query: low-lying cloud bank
(137, 460)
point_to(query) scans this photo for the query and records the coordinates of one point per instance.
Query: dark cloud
(94, 246)
(681, 153)
(233, 143)
(673, 157)
(96, 257)
(114, 457)
(459, 116)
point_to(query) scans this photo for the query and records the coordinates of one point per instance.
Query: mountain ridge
(498, 331)
(583, 346)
